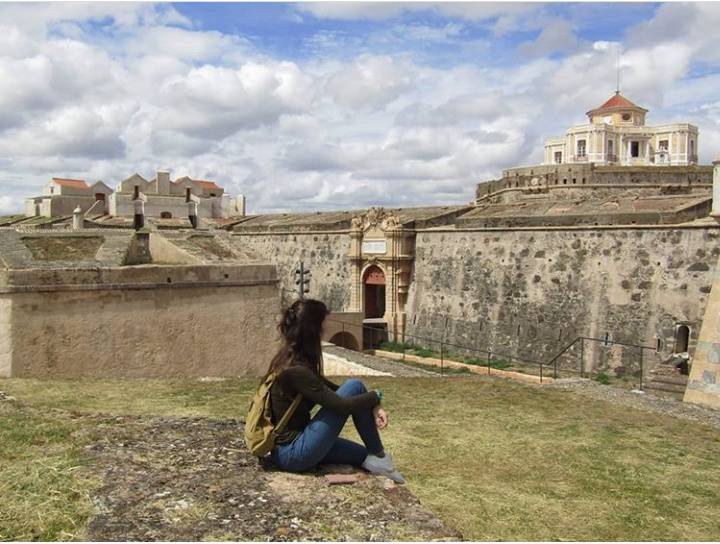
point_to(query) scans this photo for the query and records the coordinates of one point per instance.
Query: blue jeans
(320, 441)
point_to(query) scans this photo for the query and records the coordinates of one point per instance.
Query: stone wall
(324, 254)
(704, 381)
(147, 321)
(528, 292)
(584, 179)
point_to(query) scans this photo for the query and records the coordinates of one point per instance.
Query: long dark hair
(301, 330)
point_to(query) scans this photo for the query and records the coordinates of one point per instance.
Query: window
(187, 194)
(663, 145)
(692, 149)
(581, 148)
(610, 147)
(635, 149)
(558, 157)
(626, 116)
(165, 215)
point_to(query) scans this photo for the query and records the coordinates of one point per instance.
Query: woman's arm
(302, 380)
(330, 384)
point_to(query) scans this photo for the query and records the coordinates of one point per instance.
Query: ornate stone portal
(381, 257)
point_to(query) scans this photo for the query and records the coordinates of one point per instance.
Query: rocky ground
(643, 401)
(171, 478)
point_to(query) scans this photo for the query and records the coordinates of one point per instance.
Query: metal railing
(446, 349)
(488, 354)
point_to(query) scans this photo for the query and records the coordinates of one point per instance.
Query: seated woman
(306, 443)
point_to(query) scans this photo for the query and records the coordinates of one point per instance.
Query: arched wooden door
(374, 291)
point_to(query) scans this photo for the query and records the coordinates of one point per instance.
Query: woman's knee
(353, 386)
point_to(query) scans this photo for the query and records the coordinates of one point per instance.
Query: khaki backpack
(260, 433)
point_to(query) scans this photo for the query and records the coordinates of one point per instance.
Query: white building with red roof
(162, 198)
(62, 195)
(616, 134)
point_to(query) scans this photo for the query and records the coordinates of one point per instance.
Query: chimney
(163, 182)
(240, 205)
(77, 220)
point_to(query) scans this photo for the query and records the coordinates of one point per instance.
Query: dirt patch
(168, 478)
(65, 248)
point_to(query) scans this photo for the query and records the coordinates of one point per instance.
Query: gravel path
(378, 363)
(643, 401)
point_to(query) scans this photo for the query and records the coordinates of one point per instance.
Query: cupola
(618, 110)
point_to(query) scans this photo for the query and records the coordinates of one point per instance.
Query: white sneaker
(384, 466)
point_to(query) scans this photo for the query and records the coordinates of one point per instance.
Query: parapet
(557, 178)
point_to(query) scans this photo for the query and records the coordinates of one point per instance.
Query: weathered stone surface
(192, 479)
(325, 255)
(469, 288)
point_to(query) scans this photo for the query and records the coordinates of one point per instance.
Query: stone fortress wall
(628, 256)
(324, 254)
(529, 292)
(589, 180)
(523, 272)
(91, 304)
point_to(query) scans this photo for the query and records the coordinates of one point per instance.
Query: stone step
(665, 394)
(675, 379)
(669, 387)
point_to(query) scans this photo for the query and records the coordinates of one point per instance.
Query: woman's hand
(381, 417)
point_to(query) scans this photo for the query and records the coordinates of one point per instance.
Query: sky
(325, 106)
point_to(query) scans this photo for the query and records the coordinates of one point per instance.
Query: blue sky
(283, 30)
(316, 106)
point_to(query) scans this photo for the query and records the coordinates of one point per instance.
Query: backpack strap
(288, 414)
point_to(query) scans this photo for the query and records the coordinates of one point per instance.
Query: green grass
(42, 496)
(412, 349)
(498, 460)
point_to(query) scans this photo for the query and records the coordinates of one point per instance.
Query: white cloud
(556, 35)
(102, 92)
(370, 82)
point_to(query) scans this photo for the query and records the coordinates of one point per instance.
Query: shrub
(424, 352)
(602, 378)
(397, 347)
(492, 363)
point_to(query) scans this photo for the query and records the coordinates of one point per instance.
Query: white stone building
(61, 196)
(169, 199)
(616, 134)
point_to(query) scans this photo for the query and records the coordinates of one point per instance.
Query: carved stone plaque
(374, 247)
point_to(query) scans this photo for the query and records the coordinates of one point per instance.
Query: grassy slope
(498, 460)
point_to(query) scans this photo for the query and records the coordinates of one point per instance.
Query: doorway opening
(345, 340)
(374, 292)
(682, 336)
